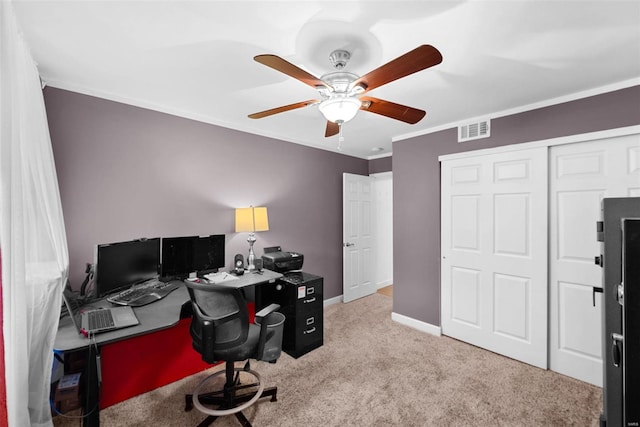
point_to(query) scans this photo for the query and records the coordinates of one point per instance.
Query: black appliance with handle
(619, 232)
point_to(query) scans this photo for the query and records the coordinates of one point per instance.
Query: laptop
(90, 321)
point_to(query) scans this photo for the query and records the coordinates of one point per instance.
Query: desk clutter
(219, 277)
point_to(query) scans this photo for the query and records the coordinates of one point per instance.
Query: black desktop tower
(619, 233)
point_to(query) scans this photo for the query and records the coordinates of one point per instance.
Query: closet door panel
(494, 280)
(581, 175)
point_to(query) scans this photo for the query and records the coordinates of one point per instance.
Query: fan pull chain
(340, 136)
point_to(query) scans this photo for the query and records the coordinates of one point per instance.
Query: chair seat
(242, 352)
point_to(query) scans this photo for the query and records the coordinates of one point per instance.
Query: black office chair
(221, 332)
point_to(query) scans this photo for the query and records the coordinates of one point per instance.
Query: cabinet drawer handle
(310, 331)
(310, 300)
(311, 321)
(311, 290)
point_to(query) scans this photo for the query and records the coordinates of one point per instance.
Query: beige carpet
(372, 371)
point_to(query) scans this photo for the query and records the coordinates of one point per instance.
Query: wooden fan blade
(282, 109)
(332, 129)
(390, 109)
(289, 69)
(418, 59)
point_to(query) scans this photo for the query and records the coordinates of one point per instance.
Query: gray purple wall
(127, 172)
(382, 164)
(416, 185)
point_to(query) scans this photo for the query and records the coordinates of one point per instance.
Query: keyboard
(99, 319)
(145, 293)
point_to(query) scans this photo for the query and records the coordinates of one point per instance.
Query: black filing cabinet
(300, 297)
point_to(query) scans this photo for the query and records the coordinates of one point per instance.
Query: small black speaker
(258, 264)
(238, 264)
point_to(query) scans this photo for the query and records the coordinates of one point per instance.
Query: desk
(153, 317)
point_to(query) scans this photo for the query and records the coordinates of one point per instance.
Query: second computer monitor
(177, 257)
(182, 256)
(208, 253)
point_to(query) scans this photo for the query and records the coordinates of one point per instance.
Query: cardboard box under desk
(67, 395)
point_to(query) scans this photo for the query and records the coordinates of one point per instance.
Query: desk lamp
(251, 219)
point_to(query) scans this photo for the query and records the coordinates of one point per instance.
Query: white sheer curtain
(32, 236)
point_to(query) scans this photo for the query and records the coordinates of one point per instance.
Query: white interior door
(494, 253)
(581, 175)
(358, 251)
(383, 196)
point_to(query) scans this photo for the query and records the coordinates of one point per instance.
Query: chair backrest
(220, 318)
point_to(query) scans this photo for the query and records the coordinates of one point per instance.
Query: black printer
(275, 259)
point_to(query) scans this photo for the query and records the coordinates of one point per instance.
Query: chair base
(215, 398)
(228, 401)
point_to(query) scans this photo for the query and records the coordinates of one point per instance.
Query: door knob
(346, 245)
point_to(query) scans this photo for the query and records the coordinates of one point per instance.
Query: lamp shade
(340, 109)
(252, 219)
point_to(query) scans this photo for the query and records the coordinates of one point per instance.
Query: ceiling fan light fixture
(340, 109)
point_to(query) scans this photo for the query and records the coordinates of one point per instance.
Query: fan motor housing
(339, 58)
(340, 81)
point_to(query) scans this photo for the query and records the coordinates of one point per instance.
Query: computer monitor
(123, 264)
(182, 256)
(208, 253)
(177, 257)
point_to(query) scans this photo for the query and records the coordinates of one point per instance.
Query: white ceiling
(195, 59)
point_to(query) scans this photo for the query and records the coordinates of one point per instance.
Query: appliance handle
(616, 351)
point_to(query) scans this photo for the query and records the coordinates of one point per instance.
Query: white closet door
(494, 253)
(581, 175)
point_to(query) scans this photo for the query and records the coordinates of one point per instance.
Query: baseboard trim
(416, 324)
(331, 301)
(384, 284)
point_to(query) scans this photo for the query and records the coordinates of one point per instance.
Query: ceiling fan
(341, 93)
